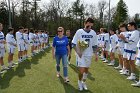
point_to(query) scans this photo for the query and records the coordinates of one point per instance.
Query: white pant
(2, 52)
(84, 61)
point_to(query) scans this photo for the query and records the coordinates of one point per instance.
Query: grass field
(38, 75)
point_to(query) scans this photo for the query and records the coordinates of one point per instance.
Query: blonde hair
(61, 28)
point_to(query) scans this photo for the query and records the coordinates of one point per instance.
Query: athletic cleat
(106, 61)
(80, 85)
(121, 71)
(136, 84)
(66, 80)
(2, 71)
(126, 72)
(84, 86)
(15, 64)
(103, 59)
(132, 77)
(5, 68)
(111, 64)
(118, 68)
(20, 60)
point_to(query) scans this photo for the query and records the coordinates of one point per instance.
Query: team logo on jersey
(60, 42)
(87, 36)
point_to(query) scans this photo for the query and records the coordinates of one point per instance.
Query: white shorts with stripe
(84, 61)
(11, 50)
(20, 47)
(138, 62)
(2, 52)
(120, 50)
(112, 50)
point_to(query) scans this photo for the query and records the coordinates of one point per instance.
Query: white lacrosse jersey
(90, 37)
(107, 39)
(10, 39)
(133, 40)
(26, 37)
(121, 43)
(102, 39)
(113, 41)
(31, 37)
(19, 38)
(1, 39)
(138, 46)
(99, 39)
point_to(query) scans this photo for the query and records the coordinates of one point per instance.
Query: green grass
(38, 75)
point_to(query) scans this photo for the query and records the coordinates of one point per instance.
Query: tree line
(70, 15)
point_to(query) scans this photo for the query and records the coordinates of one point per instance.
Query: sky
(133, 5)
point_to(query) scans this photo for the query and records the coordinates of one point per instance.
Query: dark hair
(36, 31)
(114, 30)
(10, 29)
(31, 30)
(89, 20)
(133, 24)
(42, 31)
(105, 30)
(21, 27)
(122, 25)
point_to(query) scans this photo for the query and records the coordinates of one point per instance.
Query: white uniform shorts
(120, 50)
(20, 47)
(2, 52)
(35, 44)
(131, 56)
(124, 54)
(112, 50)
(11, 50)
(84, 61)
(26, 46)
(138, 62)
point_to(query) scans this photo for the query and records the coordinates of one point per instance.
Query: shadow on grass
(19, 70)
(76, 70)
(70, 89)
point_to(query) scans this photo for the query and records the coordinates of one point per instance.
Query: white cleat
(125, 72)
(121, 71)
(80, 85)
(105, 61)
(111, 64)
(132, 77)
(66, 80)
(136, 84)
(118, 68)
(20, 60)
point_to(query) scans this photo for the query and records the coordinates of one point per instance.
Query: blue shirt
(60, 45)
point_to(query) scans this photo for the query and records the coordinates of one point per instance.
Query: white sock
(85, 75)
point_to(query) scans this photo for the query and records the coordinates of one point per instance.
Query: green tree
(121, 14)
